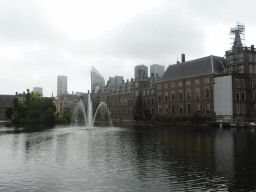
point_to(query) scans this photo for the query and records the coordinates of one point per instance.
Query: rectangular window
(148, 101)
(207, 108)
(181, 109)
(238, 96)
(207, 92)
(187, 83)
(166, 109)
(153, 101)
(173, 85)
(242, 83)
(180, 94)
(197, 82)
(197, 93)
(148, 92)
(237, 109)
(241, 68)
(165, 86)
(243, 109)
(173, 95)
(198, 107)
(166, 96)
(237, 83)
(159, 109)
(254, 96)
(144, 93)
(153, 91)
(251, 69)
(159, 87)
(254, 83)
(173, 109)
(243, 97)
(136, 85)
(255, 68)
(188, 94)
(159, 96)
(180, 84)
(206, 80)
(189, 110)
(152, 110)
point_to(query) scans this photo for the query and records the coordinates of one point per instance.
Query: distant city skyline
(40, 41)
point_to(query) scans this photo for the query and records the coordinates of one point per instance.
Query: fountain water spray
(89, 119)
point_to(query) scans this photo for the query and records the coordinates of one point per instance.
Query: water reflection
(127, 159)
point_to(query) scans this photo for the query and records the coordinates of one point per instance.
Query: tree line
(35, 109)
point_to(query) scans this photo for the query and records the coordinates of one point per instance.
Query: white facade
(62, 84)
(223, 98)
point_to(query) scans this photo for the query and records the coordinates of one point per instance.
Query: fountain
(89, 119)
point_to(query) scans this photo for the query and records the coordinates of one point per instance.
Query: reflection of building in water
(224, 152)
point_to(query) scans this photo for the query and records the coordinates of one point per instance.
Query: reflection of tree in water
(37, 140)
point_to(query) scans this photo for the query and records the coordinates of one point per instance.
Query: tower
(62, 83)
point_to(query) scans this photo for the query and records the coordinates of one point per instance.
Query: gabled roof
(150, 82)
(197, 67)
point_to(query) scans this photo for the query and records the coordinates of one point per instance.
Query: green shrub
(61, 120)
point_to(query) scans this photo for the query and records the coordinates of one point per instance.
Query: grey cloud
(152, 36)
(21, 20)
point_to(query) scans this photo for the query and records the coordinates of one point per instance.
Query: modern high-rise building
(140, 68)
(62, 84)
(97, 80)
(38, 90)
(156, 69)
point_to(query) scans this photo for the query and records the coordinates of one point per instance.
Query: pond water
(135, 158)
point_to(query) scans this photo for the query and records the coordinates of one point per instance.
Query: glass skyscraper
(156, 69)
(62, 84)
(38, 90)
(97, 80)
(140, 67)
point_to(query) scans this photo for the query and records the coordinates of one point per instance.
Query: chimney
(131, 79)
(127, 80)
(252, 48)
(72, 92)
(182, 58)
(122, 81)
(16, 93)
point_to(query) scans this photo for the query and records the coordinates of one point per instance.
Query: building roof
(7, 97)
(150, 82)
(197, 67)
(69, 96)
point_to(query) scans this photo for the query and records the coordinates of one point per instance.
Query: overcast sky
(40, 40)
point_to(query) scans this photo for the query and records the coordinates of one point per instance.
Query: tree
(49, 116)
(8, 112)
(67, 116)
(138, 109)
